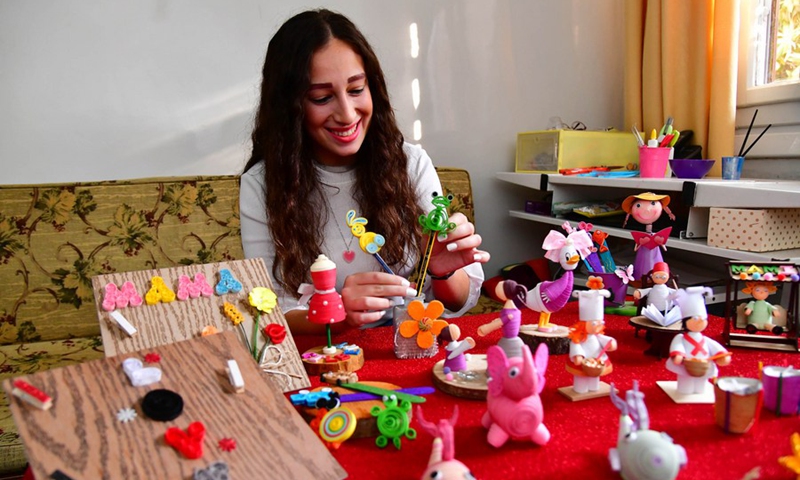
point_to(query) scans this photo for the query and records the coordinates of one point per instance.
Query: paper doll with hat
(693, 357)
(646, 208)
(588, 360)
(660, 308)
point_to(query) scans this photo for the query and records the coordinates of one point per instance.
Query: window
(769, 52)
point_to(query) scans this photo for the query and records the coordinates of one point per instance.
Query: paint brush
(755, 141)
(746, 135)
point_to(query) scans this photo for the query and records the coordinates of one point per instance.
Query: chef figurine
(587, 343)
(646, 208)
(660, 308)
(693, 346)
(509, 320)
(758, 311)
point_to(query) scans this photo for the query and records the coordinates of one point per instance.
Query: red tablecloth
(582, 432)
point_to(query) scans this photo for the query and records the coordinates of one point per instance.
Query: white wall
(93, 90)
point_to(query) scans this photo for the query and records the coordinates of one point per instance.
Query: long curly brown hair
(383, 190)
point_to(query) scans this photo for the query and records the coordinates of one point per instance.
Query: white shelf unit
(700, 195)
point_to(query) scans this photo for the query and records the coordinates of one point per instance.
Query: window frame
(751, 95)
(777, 103)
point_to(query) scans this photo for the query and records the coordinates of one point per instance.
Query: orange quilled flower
(595, 283)
(425, 324)
(792, 462)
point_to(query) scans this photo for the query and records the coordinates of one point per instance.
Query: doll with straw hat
(646, 208)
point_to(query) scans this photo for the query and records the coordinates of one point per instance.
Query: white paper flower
(126, 415)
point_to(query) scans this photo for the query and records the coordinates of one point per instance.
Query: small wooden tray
(473, 387)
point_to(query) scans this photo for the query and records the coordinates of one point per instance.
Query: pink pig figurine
(515, 409)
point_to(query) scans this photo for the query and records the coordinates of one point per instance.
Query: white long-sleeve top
(339, 185)
(706, 349)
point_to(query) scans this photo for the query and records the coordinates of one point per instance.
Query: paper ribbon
(555, 241)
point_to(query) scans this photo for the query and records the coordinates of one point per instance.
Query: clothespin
(235, 376)
(30, 394)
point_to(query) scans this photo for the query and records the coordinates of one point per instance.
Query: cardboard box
(548, 151)
(754, 230)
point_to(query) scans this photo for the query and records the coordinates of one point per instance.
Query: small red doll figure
(646, 208)
(324, 302)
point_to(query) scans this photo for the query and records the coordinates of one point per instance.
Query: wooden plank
(179, 320)
(81, 436)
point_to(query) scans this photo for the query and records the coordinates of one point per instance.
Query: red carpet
(582, 432)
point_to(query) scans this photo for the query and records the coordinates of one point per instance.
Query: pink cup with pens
(653, 161)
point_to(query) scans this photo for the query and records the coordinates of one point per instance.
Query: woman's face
(338, 104)
(646, 212)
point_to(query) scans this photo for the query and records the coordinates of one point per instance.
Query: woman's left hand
(458, 249)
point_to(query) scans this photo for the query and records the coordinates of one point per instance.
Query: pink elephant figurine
(515, 409)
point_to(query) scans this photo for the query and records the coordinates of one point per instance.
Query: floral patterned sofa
(54, 238)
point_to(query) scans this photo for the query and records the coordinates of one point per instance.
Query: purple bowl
(690, 167)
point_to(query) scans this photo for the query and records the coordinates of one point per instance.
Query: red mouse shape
(190, 442)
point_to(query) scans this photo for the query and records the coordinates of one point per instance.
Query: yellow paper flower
(263, 299)
(792, 462)
(232, 313)
(159, 292)
(425, 324)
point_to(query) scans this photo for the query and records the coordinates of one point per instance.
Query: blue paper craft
(227, 283)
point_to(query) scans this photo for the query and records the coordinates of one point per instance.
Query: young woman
(326, 141)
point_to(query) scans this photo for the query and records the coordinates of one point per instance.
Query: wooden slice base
(557, 340)
(352, 364)
(366, 425)
(469, 384)
(671, 389)
(603, 391)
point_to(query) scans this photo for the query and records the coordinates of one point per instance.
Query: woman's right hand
(367, 295)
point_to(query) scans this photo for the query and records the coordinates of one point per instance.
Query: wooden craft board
(603, 391)
(671, 389)
(352, 364)
(165, 323)
(81, 436)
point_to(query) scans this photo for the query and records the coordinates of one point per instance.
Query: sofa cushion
(54, 238)
(456, 181)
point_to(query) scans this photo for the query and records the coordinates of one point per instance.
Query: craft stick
(360, 387)
(123, 323)
(719, 355)
(746, 135)
(30, 394)
(755, 141)
(423, 265)
(362, 396)
(235, 376)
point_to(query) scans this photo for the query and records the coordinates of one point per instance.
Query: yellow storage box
(549, 151)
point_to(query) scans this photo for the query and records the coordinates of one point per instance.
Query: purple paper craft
(781, 389)
(363, 396)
